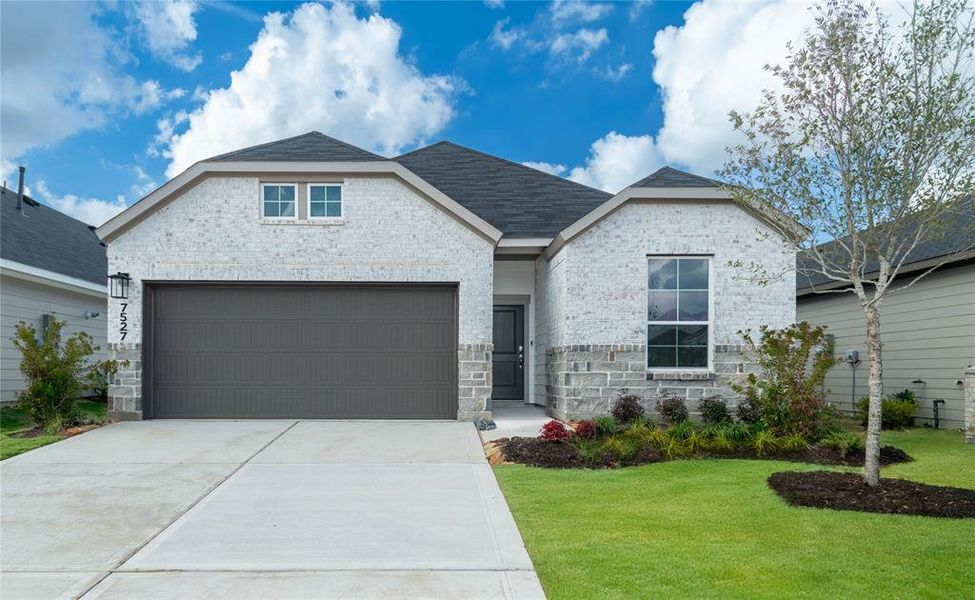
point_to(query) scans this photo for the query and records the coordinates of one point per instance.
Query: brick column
(970, 405)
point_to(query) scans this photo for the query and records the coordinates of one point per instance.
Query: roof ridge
(510, 162)
(670, 169)
(347, 144)
(292, 138)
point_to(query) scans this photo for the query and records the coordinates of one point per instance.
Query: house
(51, 266)
(927, 329)
(310, 278)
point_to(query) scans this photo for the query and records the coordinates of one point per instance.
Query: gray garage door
(301, 351)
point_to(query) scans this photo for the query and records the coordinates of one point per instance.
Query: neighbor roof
(670, 177)
(313, 146)
(44, 238)
(520, 201)
(957, 239)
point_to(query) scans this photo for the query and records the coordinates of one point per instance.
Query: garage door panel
(313, 351)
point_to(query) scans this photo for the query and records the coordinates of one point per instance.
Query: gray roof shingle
(520, 201)
(311, 147)
(671, 177)
(44, 238)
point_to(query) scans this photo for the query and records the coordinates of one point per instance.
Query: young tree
(870, 144)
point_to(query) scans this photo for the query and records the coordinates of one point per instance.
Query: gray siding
(928, 331)
(27, 301)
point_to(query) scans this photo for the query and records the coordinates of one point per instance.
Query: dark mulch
(536, 452)
(889, 455)
(846, 491)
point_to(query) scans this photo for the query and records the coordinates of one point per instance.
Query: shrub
(586, 430)
(748, 411)
(713, 410)
(696, 441)
(843, 441)
(605, 425)
(100, 376)
(682, 430)
(55, 373)
(793, 443)
(627, 408)
(719, 440)
(554, 431)
(788, 392)
(765, 442)
(592, 452)
(896, 411)
(672, 409)
(622, 447)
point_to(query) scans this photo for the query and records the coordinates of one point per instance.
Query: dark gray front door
(509, 353)
(301, 351)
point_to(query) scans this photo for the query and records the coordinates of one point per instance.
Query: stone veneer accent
(474, 381)
(970, 405)
(125, 391)
(584, 380)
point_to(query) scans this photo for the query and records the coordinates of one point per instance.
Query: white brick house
(307, 277)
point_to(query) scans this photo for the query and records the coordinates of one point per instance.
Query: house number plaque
(123, 322)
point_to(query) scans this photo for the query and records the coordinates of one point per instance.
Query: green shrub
(622, 447)
(713, 410)
(627, 408)
(682, 430)
(655, 437)
(673, 448)
(590, 451)
(720, 441)
(748, 411)
(765, 442)
(843, 441)
(896, 412)
(696, 442)
(672, 409)
(605, 425)
(793, 443)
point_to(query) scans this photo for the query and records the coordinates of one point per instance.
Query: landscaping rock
(484, 424)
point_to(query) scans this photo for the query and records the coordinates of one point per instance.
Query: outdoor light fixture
(118, 285)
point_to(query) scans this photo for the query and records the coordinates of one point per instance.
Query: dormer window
(324, 201)
(279, 200)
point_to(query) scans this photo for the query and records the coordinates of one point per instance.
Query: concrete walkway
(516, 420)
(259, 509)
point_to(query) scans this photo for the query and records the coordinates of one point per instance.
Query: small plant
(554, 431)
(672, 409)
(586, 430)
(655, 437)
(713, 410)
(843, 441)
(896, 411)
(673, 449)
(793, 443)
(748, 411)
(100, 376)
(605, 425)
(696, 441)
(622, 447)
(719, 440)
(682, 430)
(765, 442)
(627, 408)
(592, 452)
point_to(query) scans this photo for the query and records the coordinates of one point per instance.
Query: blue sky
(120, 97)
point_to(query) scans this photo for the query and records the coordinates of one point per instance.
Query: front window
(324, 201)
(279, 200)
(678, 313)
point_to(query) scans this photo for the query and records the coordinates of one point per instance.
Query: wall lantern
(118, 285)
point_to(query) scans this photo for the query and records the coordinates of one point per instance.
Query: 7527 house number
(123, 322)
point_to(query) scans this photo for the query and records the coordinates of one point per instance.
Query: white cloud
(70, 82)
(636, 8)
(168, 28)
(494, 3)
(318, 68)
(616, 160)
(577, 10)
(555, 30)
(505, 38)
(550, 168)
(90, 210)
(615, 74)
(579, 44)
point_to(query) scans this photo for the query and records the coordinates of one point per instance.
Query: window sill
(321, 222)
(680, 375)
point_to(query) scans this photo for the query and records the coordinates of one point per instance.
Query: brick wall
(214, 232)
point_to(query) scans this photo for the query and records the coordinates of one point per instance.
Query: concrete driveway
(259, 509)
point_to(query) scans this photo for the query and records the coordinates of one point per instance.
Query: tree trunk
(871, 468)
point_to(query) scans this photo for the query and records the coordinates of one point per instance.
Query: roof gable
(668, 177)
(520, 201)
(313, 146)
(44, 238)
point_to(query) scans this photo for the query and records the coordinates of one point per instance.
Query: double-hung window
(279, 200)
(678, 313)
(324, 201)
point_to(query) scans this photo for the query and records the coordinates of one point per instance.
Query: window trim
(325, 184)
(709, 323)
(264, 184)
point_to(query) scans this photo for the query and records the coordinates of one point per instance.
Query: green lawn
(13, 419)
(712, 528)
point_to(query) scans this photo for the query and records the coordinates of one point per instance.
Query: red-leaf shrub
(554, 431)
(586, 430)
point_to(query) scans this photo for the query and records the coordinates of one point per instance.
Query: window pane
(662, 306)
(334, 193)
(270, 192)
(334, 209)
(693, 306)
(287, 209)
(663, 274)
(317, 209)
(287, 193)
(662, 335)
(316, 193)
(693, 273)
(271, 209)
(692, 356)
(692, 335)
(661, 356)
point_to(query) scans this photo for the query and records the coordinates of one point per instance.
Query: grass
(13, 419)
(712, 528)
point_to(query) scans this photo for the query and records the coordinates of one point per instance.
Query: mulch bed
(28, 433)
(540, 453)
(889, 455)
(846, 491)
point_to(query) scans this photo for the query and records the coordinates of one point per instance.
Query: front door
(509, 353)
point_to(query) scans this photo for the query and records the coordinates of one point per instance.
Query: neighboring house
(928, 329)
(309, 278)
(51, 266)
